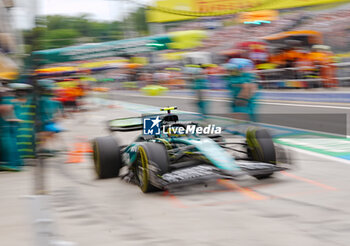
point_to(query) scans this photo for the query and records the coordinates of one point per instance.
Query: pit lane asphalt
(323, 117)
(305, 206)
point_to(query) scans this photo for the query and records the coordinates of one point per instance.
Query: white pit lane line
(327, 157)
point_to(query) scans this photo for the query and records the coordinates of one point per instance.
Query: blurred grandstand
(287, 45)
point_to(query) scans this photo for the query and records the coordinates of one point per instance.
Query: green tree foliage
(57, 31)
(33, 39)
(137, 21)
(60, 38)
(140, 20)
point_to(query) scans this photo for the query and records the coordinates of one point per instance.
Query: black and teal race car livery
(174, 156)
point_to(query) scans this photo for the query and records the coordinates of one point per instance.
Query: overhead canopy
(180, 10)
(175, 40)
(160, 16)
(282, 35)
(101, 50)
(307, 37)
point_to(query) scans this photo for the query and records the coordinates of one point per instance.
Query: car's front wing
(204, 172)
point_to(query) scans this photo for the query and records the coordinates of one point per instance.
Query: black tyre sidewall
(261, 148)
(267, 152)
(157, 157)
(107, 157)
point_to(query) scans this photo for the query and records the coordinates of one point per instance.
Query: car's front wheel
(152, 159)
(261, 148)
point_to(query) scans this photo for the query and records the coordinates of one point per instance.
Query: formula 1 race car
(178, 154)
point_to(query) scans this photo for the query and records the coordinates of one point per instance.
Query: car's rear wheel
(152, 159)
(261, 148)
(107, 157)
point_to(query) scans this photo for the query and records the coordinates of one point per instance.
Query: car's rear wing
(126, 124)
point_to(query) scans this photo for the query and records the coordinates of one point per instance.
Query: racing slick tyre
(107, 157)
(261, 148)
(151, 157)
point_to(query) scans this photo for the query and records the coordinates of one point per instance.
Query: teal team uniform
(26, 128)
(199, 85)
(234, 85)
(48, 108)
(9, 156)
(17, 139)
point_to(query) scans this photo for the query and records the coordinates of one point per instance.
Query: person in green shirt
(199, 84)
(47, 111)
(25, 111)
(9, 156)
(242, 85)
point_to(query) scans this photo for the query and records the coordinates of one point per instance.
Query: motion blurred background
(132, 55)
(310, 38)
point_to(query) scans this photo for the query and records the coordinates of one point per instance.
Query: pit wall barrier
(333, 75)
(278, 95)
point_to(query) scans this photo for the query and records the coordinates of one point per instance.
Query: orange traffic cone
(76, 155)
(83, 147)
(88, 147)
(79, 147)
